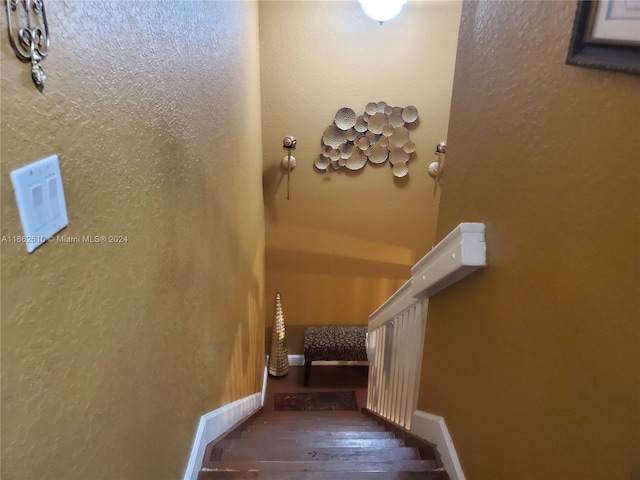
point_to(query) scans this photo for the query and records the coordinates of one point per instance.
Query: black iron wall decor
(29, 34)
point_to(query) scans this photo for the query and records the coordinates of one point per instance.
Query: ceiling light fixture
(382, 10)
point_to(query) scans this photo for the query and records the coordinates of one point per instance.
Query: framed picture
(606, 34)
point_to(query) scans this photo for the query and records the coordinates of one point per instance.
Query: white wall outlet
(40, 197)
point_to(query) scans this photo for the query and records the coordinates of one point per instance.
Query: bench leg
(307, 371)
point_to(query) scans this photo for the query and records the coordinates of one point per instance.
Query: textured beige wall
(344, 242)
(534, 361)
(111, 353)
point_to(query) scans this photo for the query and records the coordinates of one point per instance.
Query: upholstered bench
(333, 343)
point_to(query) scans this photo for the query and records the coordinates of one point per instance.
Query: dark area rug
(315, 401)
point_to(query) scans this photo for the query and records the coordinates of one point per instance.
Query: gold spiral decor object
(279, 354)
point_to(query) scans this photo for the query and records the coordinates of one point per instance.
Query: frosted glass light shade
(382, 10)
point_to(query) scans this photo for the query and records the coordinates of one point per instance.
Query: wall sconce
(30, 35)
(289, 162)
(435, 168)
(382, 10)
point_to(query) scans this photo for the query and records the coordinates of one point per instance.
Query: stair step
(311, 435)
(318, 413)
(311, 443)
(313, 417)
(297, 427)
(293, 453)
(251, 475)
(368, 466)
(294, 423)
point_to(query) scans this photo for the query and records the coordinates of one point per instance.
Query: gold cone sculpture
(279, 356)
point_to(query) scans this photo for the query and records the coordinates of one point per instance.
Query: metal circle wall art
(379, 135)
(345, 118)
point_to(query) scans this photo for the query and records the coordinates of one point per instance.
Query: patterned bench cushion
(335, 342)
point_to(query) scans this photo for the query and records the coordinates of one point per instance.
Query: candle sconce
(29, 34)
(289, 161)
(435, 168)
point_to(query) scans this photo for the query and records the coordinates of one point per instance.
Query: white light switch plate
(40, 198)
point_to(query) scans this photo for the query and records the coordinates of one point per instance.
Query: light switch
(40, 198)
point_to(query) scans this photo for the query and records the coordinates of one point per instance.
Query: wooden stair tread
(315, 428)
(320, 453)
(315, 418)
(251, 475)
(312, 417)
(320, 435)
(328, 421)
(305, 442)
(317, 413)
(328, 466)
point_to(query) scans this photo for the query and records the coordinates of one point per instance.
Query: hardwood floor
(323, 379)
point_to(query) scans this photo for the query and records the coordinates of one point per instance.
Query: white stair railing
(395, 338)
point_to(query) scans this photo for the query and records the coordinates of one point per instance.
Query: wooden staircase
(315, 445)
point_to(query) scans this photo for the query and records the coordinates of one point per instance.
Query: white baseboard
(294, 360)
(214, 424)
(298, 361)
(264, 382)
(433, 429)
